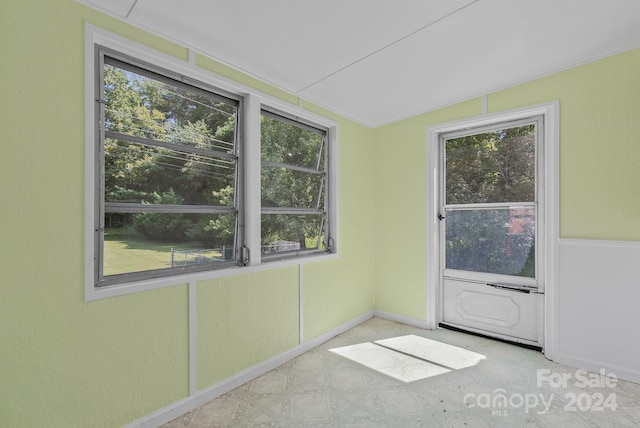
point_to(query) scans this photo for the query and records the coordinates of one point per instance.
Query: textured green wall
(336, 289)
(401, 210)
(68, 363)
(243, 320)
(599, 169)
(599, 144)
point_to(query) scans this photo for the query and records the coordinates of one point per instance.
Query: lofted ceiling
(379, 61)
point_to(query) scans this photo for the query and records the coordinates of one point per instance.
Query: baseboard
(401, 319)
(203, 396)
(623, 373)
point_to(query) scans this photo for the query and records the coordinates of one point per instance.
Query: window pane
(288, 144)
(498, 241)
(149, 241)
(165, 143)
(136, 173)
(144, 107)
(282, 187)
(491, 167)
(287, 232)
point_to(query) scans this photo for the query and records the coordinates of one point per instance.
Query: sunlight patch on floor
(410, 358)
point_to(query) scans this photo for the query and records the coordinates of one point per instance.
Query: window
(490, 202)
(168, 177)
(176, 160)
(293, 186)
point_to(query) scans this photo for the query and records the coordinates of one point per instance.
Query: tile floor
(386, 374)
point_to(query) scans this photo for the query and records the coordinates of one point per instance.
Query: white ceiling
(378, 61)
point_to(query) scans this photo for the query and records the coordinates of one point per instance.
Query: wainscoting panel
(599, 306)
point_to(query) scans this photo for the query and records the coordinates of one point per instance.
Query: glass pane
(282, 187)
(498, 241)
(141, 106)
(136, 173)
(291, 145)
(148, 241)
(285, 232)
(496, 166)
(144, 107)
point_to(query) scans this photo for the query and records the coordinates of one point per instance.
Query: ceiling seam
(133, 6)
(137, 9)
(387, 46)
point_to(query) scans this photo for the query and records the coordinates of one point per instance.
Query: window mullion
(252, 178)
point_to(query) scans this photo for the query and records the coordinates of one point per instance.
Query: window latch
(330, 245)
(244, 255)
(440, 216)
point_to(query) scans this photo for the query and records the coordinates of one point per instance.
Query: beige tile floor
(386, 374)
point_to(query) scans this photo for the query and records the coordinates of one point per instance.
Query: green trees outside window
(490, 204)
(170, 156)
(170, 172)
(294, 180)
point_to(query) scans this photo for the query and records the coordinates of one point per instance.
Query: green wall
(599, 170)
(106, 363)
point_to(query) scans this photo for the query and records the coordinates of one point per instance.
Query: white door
(490, 230)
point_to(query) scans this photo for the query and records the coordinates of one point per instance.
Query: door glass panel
(491, 167)
(500, 240)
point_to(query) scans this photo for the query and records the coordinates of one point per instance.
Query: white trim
(332, 187)
(203, 396)
(600, 242)
(625, 373)
(550, 112)
(253, 100)
(152, 284)
(251, 166)
(414, 322)
(300, 305)
(193, 338)
(89, 163)
(433, 251)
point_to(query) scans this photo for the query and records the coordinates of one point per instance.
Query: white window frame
(253, 102)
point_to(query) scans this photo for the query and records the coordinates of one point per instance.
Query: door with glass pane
(490, 227)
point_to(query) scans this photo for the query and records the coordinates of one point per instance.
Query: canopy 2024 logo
(598, 398)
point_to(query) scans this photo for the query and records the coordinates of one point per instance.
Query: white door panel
(507, 313)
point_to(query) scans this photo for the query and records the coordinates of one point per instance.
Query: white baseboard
(623, 373)
(401, 319)
(203, 396)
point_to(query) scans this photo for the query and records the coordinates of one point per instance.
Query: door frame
(550, 113)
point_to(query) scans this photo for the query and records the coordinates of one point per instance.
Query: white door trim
(551, 113)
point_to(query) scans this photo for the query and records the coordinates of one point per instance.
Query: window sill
(92, 293)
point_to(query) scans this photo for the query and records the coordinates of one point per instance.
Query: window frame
(325, 218)
(103, 57)
(536, 203)
(251, 103)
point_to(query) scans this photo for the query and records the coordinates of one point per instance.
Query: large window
(175, 164)
(168, 183)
